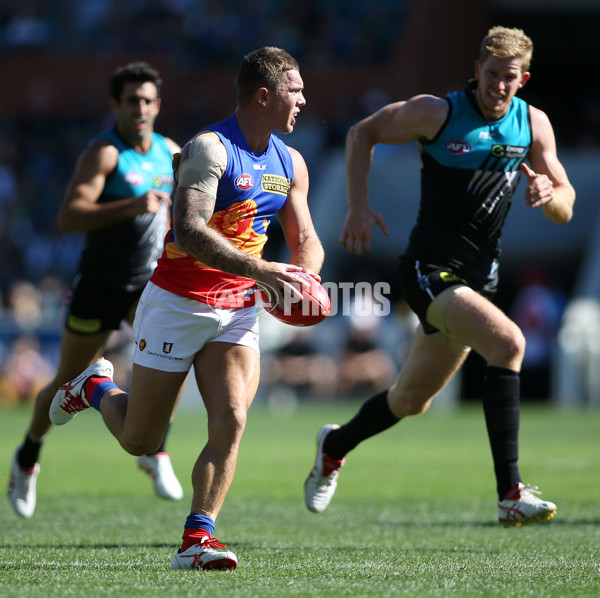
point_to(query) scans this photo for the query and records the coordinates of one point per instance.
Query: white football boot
(70, 398)
(21, 488)
(204, 556)
(321, 484)
(160, 468)
(520, 506)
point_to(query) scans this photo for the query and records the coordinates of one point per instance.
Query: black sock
(501, 408)
(29, 452)
(373, 417)
(163, 445)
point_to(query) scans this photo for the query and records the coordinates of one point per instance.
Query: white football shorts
(169, 329)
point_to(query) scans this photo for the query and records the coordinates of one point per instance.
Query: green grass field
(414, 515)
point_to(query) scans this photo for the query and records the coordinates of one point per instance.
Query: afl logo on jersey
(133, 178)
(244, 182)
(458, 147)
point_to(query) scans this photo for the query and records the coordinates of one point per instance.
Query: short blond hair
(503, 42)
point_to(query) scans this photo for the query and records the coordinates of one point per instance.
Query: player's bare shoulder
(100, 156)
(428, 113)
(541, 127)
(418, 118)
(173, 146)
(298, 161)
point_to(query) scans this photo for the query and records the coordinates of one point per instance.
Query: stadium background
(55, 60)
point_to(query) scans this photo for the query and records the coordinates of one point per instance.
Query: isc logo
(244, 181)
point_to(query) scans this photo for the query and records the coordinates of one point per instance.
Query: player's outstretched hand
(358, 225)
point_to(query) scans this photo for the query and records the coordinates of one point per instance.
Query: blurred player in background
(473, 145)
(120, 195)
(199, 308)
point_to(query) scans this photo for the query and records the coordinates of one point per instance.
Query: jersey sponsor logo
(162, 180)
(259, 166)
(275, 183)
(508, 151)
(458, 147)
(133, 178)
(167, 347)
(244, 182)
(486, 135)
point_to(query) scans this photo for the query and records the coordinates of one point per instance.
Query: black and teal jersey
(125, 254)
(469, 173)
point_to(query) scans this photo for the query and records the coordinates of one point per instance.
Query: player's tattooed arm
(192, 212)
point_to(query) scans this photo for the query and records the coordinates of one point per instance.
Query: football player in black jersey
(473, 146)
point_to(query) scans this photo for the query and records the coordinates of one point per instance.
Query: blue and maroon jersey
(250, 193)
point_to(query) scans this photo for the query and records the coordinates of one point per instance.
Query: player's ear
(262, 95)
(524, 78)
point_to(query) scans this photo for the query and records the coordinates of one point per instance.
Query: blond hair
(503, 42)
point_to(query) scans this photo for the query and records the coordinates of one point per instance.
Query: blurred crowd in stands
(209, 32)
(38, 151)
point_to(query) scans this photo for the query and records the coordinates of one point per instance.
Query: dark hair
(134, 72)
(265, 67)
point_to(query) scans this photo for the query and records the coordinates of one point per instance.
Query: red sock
(91, 383)
(193, 535)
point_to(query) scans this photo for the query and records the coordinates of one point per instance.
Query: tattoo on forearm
(192, 211)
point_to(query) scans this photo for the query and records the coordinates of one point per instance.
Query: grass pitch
(414, 515)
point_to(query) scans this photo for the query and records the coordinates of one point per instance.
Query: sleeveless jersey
(250, 192)
(468, 176)
(124, 254)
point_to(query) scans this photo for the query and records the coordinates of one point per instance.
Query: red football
(313, 308)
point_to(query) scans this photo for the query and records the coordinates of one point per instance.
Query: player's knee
(228, 425)
(416, 406)
(408, 401)
(140, 446)
(511, 346)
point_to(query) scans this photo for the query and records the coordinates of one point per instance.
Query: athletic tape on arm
(203, 162)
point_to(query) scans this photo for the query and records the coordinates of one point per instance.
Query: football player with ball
(199, 308)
